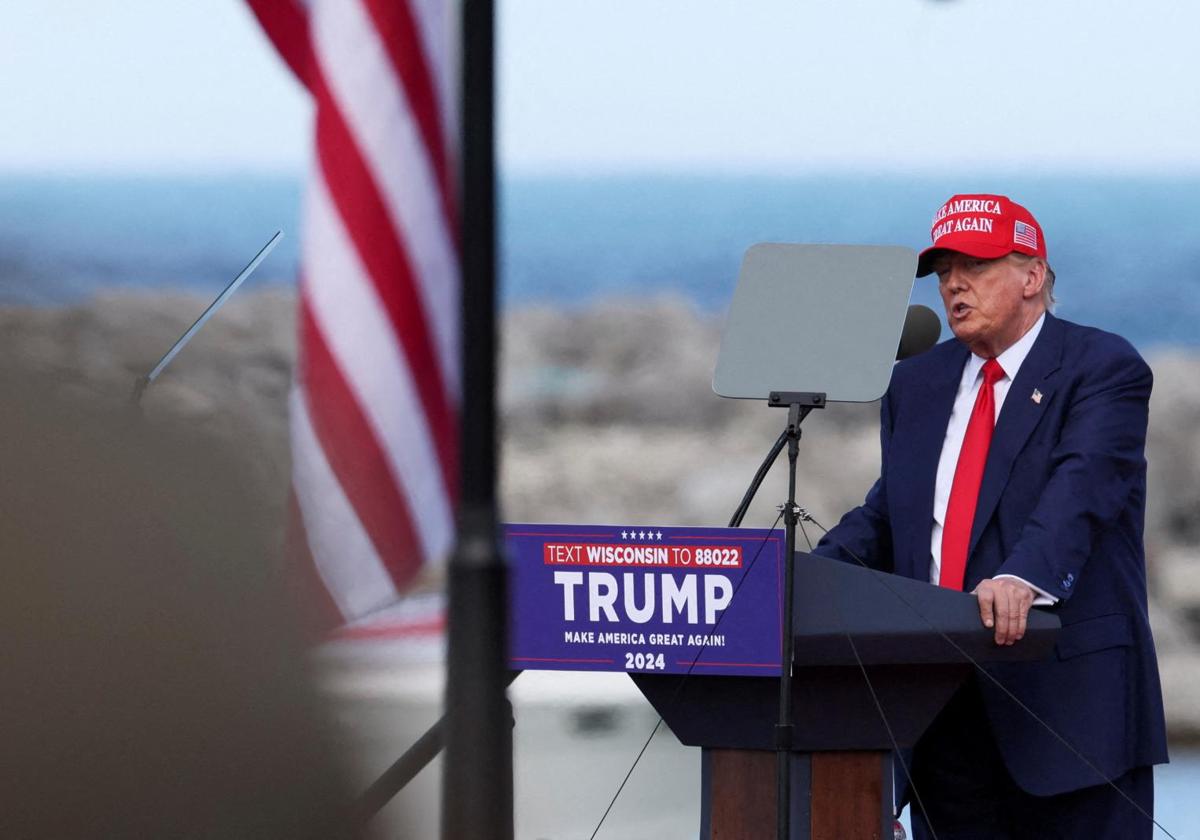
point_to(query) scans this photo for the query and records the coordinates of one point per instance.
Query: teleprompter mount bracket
(807, 399)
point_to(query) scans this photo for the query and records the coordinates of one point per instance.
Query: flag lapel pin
(1037, 396)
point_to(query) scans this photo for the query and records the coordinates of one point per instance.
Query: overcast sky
(678, 85)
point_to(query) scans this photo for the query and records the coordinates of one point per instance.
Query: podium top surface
(896, 620)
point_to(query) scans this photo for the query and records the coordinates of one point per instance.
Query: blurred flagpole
(477, 775)
(393, 409)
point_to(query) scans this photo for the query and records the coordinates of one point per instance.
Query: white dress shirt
(964, 402)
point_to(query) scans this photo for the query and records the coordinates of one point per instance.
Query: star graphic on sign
(624, 535)
(660, 535)
(641, 535)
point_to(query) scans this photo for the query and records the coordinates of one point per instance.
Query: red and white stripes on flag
(375, 404)
(1024, 234)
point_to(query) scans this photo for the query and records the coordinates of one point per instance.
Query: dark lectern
(841, 785)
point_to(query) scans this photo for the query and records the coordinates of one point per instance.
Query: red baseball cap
(984, 226)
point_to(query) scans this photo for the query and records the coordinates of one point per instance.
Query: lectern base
(835, 795)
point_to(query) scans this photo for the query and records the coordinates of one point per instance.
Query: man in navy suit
(1013, 468)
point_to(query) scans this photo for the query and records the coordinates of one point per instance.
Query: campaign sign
(620, 598)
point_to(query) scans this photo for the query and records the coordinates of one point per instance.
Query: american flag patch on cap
(1024, 234)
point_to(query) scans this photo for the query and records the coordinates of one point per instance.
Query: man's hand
(1004, 604)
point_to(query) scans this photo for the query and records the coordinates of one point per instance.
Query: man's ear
(1035, 279)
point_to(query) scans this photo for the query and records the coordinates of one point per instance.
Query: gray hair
(1048, 288)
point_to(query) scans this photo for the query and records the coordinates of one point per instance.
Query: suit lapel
(1021, 412)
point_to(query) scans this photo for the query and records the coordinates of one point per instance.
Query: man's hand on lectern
(1004, 604)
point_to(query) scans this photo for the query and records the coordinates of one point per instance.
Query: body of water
(1126, 251)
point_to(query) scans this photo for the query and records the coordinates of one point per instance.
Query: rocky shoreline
(608, 417)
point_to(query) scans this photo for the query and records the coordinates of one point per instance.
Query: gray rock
(608, 416)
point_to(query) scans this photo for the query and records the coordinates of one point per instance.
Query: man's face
(990, 303)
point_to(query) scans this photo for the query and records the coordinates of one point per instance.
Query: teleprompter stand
(799, 405)
(807, 323)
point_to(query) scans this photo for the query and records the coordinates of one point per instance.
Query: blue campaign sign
(621, 598)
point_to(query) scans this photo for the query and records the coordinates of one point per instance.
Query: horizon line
(583, 172)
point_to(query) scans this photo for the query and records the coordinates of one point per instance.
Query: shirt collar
(1012, 358)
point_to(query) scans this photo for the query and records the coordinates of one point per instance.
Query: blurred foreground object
(155, 678)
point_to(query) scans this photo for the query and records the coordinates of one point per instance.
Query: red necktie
(968, 475)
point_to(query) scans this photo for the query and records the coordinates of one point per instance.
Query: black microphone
(922, 329)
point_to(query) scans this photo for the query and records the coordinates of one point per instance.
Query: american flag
(1025, 234)
(375, 403)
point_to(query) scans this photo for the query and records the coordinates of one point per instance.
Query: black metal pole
(477, 777)
(783, 730)
(735, 521)
(402, 771)
(396, 777)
